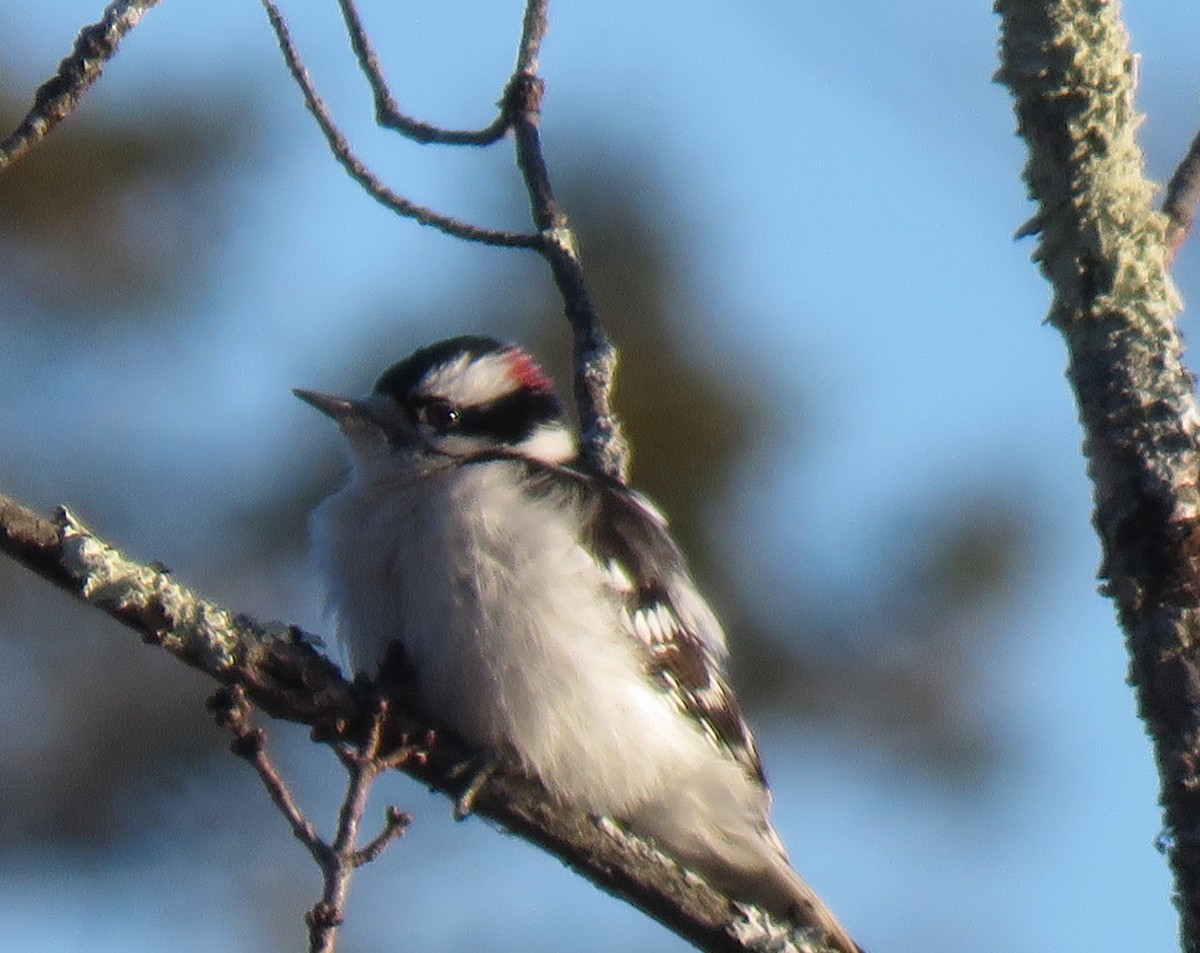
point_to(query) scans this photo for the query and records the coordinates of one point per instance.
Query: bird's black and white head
(452, 401)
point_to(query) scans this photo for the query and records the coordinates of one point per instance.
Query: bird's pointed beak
(339, 408)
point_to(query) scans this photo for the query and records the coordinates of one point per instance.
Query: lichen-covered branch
(281, 672)
(57, 98)
(279, 668)
(1104, 251)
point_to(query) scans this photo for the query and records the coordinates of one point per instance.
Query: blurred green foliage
(113, 219)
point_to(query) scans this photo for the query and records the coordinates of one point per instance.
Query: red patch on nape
(528, 373)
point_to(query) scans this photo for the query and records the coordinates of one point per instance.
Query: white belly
(513, 630)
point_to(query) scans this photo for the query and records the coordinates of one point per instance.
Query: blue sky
(843, 185)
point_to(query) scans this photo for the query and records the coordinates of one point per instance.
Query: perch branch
(1103, 248)
(281, 672)
(57, 98)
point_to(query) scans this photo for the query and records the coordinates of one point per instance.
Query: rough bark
(1104, 250)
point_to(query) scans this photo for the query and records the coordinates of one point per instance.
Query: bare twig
(232, 711)
(1103, 248)
(533, 30)
(57, 98)
(1183, 195)
(388, 114)
(363, 764)
(395, 823)
(282, 673)
(340, 858)
(358, 171)
(595, 358)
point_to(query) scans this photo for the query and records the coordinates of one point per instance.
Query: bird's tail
(746, 861)
(782, 891)
(717, 825)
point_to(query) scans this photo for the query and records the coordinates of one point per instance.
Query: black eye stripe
(510, 418)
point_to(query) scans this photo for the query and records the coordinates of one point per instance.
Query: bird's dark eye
(440, 415)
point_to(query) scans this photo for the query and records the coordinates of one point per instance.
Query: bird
(545, 614)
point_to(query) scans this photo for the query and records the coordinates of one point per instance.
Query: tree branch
(388, 114)
(57, 98)
(1183, 195)
(1104, 250)
(358, 171)
(595, 358)
(280, 671)
(340, 858)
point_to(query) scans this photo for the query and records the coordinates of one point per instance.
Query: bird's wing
(661, 607)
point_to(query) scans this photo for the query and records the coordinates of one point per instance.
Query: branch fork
(277, 668)
(340, 857)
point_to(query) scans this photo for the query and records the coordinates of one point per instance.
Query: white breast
(513, 628)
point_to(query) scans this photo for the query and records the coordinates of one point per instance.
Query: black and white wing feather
(662, 609)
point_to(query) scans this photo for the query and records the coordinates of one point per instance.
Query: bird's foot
(478, 771)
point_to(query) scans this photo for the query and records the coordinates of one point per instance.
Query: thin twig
(395, 823)
(595, 358)
(1183, 196)
(340, 858)
(533, 31)
(57, 98)
(284, 675)
(388, 114)
(363, 764)
(232, 711)
(358, 171)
